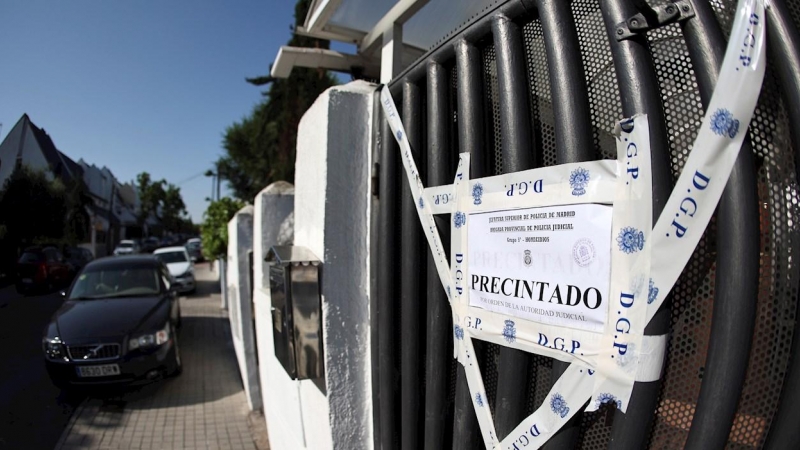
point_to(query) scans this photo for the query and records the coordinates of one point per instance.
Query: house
(114, 206)
(113, 215)
(30, 145)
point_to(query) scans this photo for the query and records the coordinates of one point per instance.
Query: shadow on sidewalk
(210, 372)
(205, 288)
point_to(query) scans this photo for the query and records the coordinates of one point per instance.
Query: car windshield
(116, 282)
(171, 257)
(126, 244)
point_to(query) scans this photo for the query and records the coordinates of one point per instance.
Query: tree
(214, 229)
(161, 200)
(35, 209)
(32, 206)
(151, 195)
(173, 210)
(260, 148)
(77, 221)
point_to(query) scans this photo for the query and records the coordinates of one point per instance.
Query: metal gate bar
(412, 299)
(439, 338)
(737, 259)
(784, 47)
(518, 154)
(387, 283)
(567, 83)
(470, 111)
(573, 132)
(639, 94)
(470, 108)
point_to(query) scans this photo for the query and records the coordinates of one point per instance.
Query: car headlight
(53, 348)
(160, 337)
(189, 272)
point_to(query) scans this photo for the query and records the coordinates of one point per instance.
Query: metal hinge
(652, 17)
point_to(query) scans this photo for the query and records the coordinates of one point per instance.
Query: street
(33, 412)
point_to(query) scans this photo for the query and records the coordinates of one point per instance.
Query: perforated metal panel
(541, 102)
(492, 103)
(601, 78)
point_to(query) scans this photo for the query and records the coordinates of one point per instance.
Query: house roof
(62, 165)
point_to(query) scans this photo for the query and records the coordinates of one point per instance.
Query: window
(31, 257)
(110, 282)
(172, 257)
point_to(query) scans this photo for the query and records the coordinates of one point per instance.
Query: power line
(180, 183)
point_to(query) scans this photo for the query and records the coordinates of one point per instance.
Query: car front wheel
(177, 364)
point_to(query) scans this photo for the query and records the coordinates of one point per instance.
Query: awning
(367, 23)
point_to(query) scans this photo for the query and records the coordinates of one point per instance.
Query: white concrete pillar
(240, 311)
(331, 218)
(273, 224)
(223, 282)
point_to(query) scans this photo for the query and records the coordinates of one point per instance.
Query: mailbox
(296, 310)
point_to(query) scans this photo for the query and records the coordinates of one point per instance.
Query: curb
(73, 418)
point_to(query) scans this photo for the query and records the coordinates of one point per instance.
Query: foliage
(173, 209)
(151, 194)
(163, 200)
(77, 221)
(36, 210)
(214, 228)
(260, 148)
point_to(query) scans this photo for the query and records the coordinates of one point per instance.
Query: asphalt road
(33, 412)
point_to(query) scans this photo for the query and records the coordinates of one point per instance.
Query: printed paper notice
(550, 265)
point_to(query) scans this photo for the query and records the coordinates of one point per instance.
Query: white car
(180, 267)
(126, 247)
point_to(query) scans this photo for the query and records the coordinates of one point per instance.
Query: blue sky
(138, 85)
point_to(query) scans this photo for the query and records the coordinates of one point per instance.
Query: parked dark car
(150, 244)
(168, 241)
(42, 269)
(117, 325)
(77, 258)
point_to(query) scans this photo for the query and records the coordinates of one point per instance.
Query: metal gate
(532, 83)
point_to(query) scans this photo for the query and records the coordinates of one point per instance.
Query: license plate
(98, 371)
(27, 280)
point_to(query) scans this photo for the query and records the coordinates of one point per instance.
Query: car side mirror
(63, 293)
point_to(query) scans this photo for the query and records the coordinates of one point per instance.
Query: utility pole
(110, 236)
(214, 182)
(218, 179)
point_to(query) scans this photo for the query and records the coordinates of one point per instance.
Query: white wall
(273, 225)
(331, 218)
(240, 311)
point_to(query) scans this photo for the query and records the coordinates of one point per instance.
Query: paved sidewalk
(204, 408)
